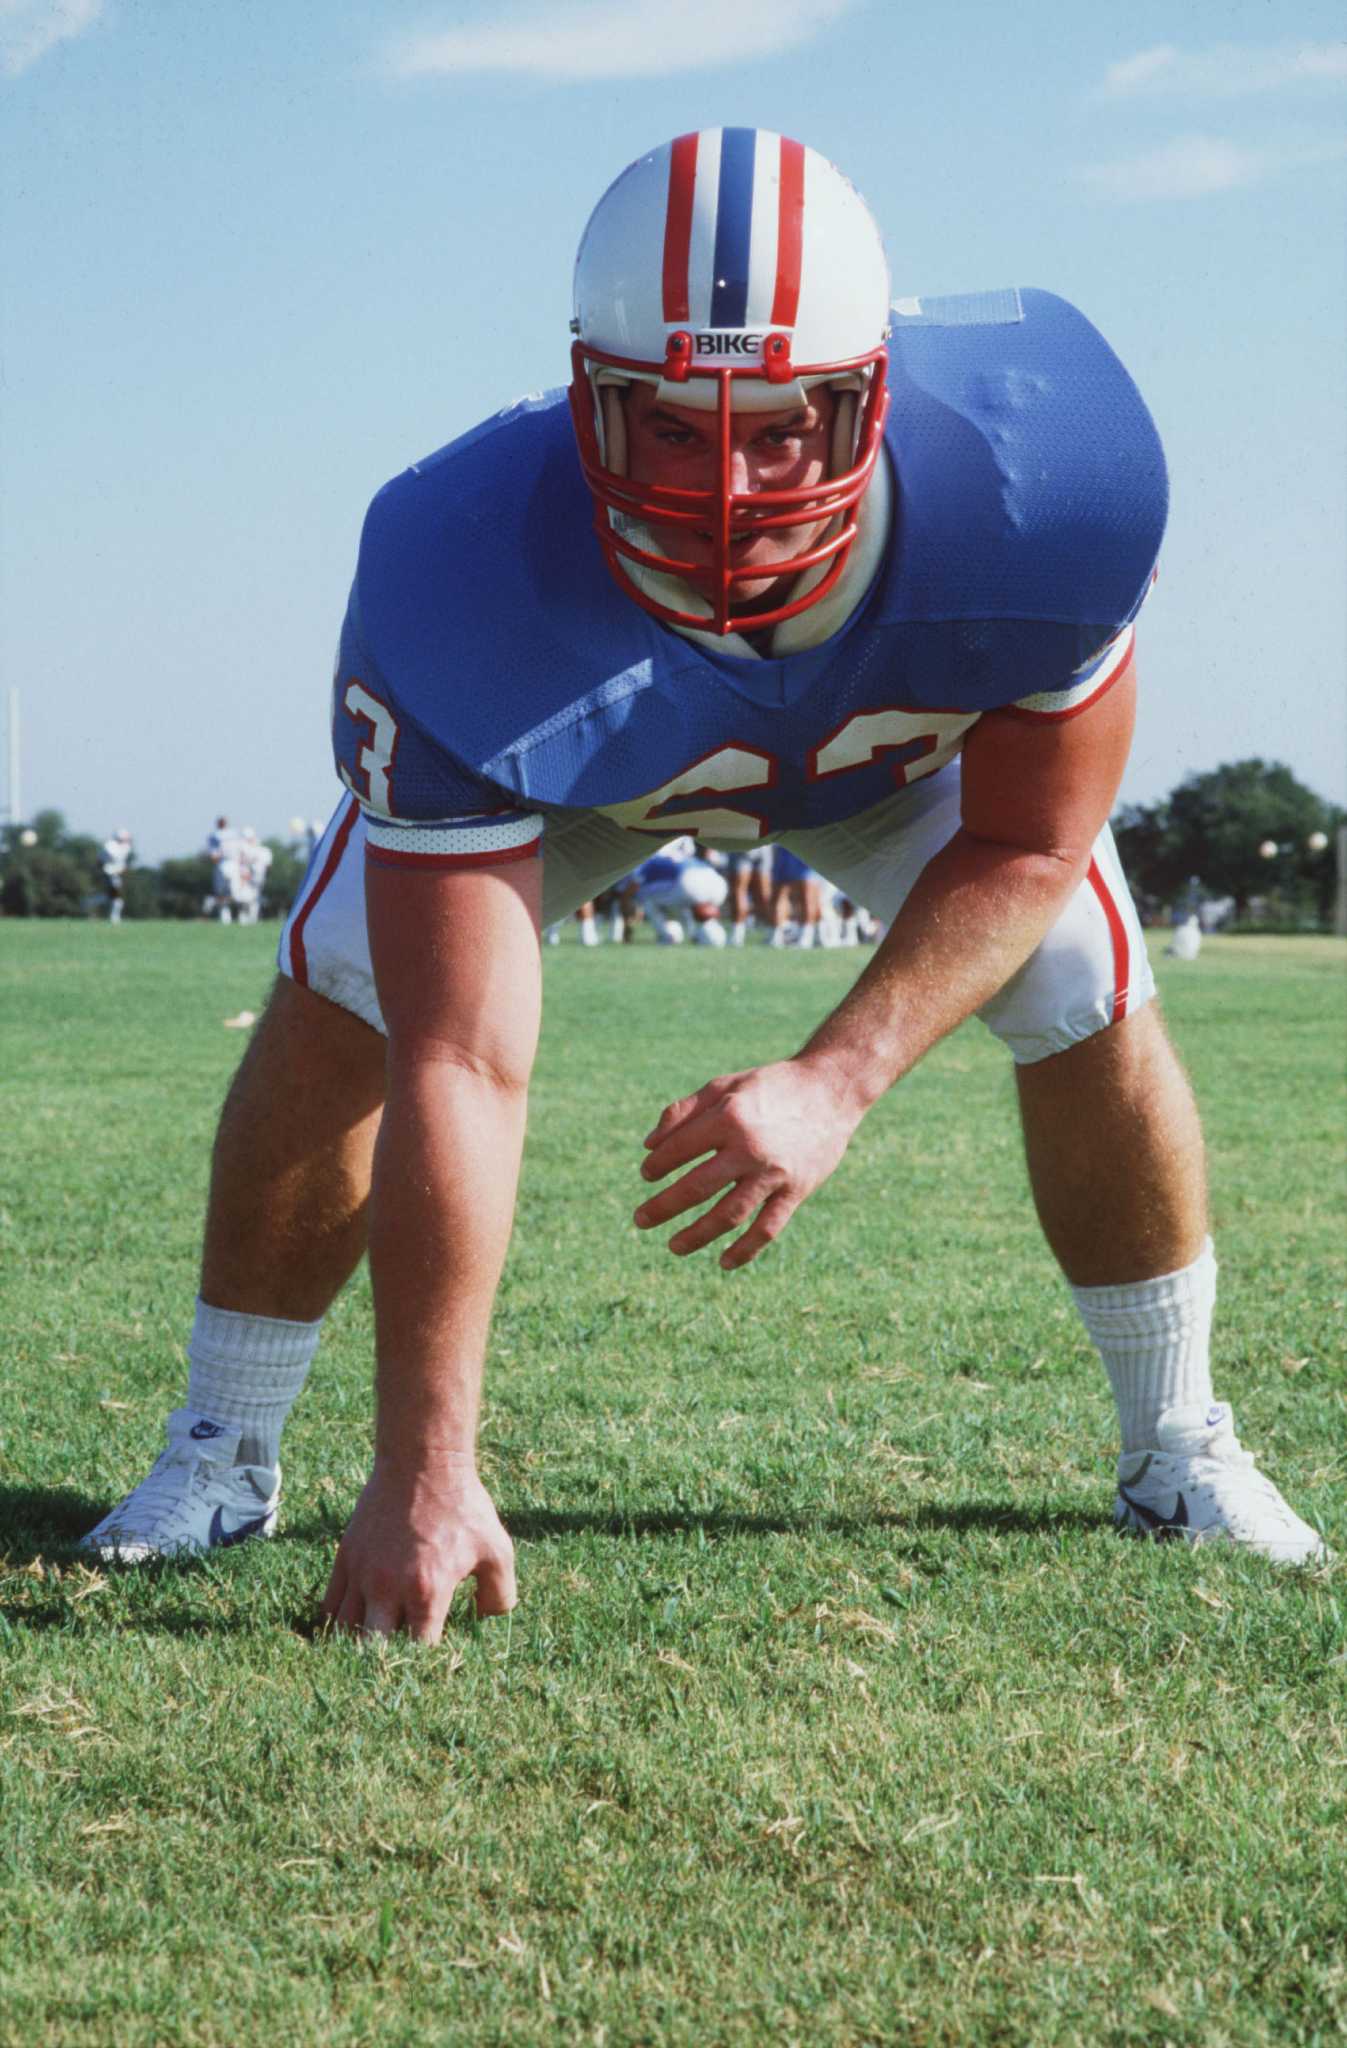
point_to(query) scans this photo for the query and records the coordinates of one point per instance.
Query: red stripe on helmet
(789, 234)
(678, 226)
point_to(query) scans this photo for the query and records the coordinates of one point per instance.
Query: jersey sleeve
(423, 808)
(1091, 682)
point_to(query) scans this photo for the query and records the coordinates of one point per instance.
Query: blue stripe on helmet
(734, 225)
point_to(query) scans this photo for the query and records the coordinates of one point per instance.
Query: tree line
(1248, 832)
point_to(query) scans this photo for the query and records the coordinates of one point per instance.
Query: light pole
(14, 803)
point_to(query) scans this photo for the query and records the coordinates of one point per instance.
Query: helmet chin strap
(806, 629)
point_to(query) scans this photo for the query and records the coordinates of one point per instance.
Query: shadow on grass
(158, 1621)
(35, 1520)
(540, 1525)
(42, 1521)
(46, 1524)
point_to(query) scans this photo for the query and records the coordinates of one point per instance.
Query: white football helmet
(732, 269)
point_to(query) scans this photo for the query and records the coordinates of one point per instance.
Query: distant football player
(252, 866)
(797, 901)
(118, 853)
(223, 852)
(681, 892)
(790, 562)
(750, 877)
(1186, 940)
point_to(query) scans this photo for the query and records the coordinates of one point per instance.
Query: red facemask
(725, 514)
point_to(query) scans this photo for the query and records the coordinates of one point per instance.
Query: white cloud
(575, 39)
(1195, 166)
(29, 28)
(1225, 71)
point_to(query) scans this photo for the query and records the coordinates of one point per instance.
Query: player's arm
(456, 965)
(1035, 795)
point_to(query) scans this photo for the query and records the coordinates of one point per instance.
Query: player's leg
(285, 1228)
(1123, 1093)
(783, 891)
(811, 909)
(1115, 1157)
(739, 900)
(294, 1150)
(285, 1223)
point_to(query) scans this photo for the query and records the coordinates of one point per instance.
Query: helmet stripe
(678, 225)
(734, 222)
(790, 235)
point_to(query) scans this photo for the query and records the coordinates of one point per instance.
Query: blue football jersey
(492, 670)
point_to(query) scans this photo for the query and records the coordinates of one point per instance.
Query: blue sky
(260, 255)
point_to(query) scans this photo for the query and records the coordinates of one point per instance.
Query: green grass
(833, 1711)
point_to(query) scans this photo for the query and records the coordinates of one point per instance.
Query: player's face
(673, 445)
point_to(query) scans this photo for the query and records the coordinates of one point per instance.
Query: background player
(750, 877)
(797, 899)
(252, 867)
(222, 849)
(118, 853)
(765, 655)
(681, 893)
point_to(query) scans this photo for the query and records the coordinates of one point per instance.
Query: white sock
(247, 1372)
(1154, 1337)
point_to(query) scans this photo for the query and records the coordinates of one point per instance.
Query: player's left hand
(774, 1134)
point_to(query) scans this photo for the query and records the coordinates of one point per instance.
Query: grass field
(833, 1711)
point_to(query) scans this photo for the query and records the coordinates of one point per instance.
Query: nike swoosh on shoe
(1163, 1525)
(220, 1538)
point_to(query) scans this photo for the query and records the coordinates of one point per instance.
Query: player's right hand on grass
(412, 1540)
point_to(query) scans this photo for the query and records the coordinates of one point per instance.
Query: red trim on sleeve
(1117, 932)
(678, 226)
(299, 959)
(789, 234)
(1074, 710)
(385, 857)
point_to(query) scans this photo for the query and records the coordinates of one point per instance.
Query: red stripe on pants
(299, 959)
(1117, 932)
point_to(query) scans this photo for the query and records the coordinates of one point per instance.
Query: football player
(118, 853)
(682, 893)
(796, 886)
(223, 850)
(750, 875)
(254, 865)
(789, 563)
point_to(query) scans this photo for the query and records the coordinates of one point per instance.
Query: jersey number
(916, 743)
(375, 758)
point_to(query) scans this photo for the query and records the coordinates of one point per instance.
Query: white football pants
(1089, 971)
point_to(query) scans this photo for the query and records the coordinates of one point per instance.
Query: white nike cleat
(1199, 1486)
(194, 1498)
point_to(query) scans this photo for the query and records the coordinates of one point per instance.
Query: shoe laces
(1235, 1473)
(164, 1499)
